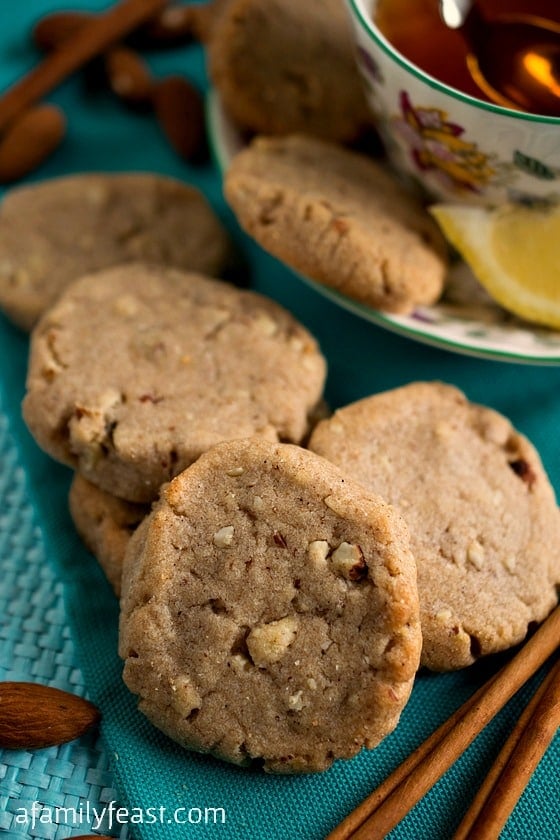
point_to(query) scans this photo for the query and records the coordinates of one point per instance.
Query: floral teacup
(456, 147)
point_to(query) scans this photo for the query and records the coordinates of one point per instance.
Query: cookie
(339, 218)
(105, 524)
(283, 67)
(269, 610)
(483, 520)
(53, 232)
(133, 376)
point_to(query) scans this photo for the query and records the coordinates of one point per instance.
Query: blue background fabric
(147, 769)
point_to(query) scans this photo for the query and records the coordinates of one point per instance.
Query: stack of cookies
(270, 576)
(282, 577)
(262, 572)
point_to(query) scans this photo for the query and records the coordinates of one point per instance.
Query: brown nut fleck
(279, 540)
(524, 471)
(150, 398)
(341, 226)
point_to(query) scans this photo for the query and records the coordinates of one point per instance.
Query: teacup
(455, 147)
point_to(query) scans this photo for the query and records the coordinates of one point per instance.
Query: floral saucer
(466, 320)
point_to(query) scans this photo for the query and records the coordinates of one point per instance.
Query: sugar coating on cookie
(339, 218)
(55, 231)
(134, 374)
(270, 610)
(105, 523)
(483, 519)
(285, 66)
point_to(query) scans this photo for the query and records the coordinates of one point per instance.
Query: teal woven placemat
(56, 792)
(59, 617)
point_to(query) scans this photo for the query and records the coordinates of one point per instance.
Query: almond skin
(170, 28)
(30, 140)
(128, 76)
(33, 716)
(180, 113)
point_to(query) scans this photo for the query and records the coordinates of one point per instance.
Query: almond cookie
(56, 231)
(284, 66)
(483, 520)
(105, 524)
(133, 376)
(339, 218)
(269, 610)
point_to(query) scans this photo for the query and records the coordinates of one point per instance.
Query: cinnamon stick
(353, 821)
(379, 819)
(529, 748)
(502, 759)
(88, 41)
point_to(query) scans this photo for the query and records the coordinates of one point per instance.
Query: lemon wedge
(514, 251)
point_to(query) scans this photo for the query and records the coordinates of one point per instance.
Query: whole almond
(33, 716)
(51, 31)
(129, 76)
(29, 141)
(179, 110)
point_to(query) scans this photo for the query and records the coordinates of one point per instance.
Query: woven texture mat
(49, 793)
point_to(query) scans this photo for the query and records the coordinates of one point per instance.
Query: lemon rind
(469, 230)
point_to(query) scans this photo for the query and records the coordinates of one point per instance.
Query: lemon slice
(514, 251)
